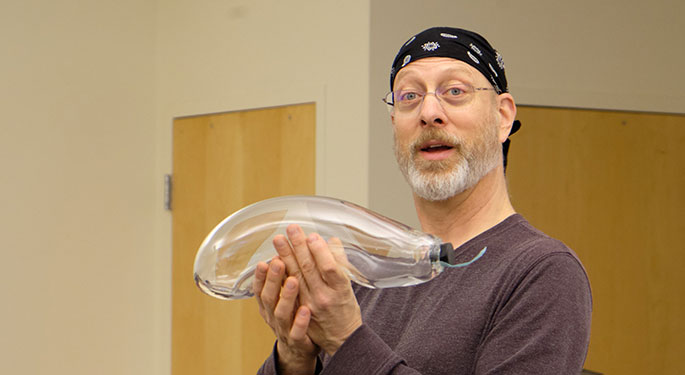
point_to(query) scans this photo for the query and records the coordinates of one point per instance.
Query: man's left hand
(324, 286)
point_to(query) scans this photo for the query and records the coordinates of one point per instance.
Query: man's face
(444, 149)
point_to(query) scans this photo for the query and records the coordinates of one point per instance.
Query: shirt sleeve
(366, 353)
(270, 365)
(543, 326)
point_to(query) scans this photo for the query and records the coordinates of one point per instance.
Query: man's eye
(408, 96)
(454, 91)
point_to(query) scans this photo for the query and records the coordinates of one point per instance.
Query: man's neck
(468, 214)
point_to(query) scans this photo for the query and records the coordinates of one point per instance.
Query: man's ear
(507, 115)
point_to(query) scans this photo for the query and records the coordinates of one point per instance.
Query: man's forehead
(440, 65)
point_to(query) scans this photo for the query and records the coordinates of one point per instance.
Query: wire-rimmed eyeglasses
(453, 95)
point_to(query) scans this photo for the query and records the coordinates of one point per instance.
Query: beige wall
(77, 199)
(615, 54)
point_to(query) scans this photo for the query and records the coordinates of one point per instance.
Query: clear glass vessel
(380, 252)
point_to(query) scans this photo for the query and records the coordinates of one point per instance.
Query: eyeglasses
(453, 95)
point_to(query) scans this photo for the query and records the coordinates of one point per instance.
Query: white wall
(77, 149)
(613, 54)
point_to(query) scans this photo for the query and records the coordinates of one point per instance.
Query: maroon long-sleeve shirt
(523, 308)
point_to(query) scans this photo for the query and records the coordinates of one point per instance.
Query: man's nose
(431, 111)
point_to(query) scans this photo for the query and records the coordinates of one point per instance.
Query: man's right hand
(278, 305)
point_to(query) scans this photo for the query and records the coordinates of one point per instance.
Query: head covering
(459, 44)
(462, 45)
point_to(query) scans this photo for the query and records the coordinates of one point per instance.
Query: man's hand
(279, 307)
(324, 287)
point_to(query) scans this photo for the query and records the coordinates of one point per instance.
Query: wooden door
(222, 163)
(611, 185)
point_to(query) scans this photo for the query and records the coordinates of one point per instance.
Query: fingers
(278, 305)
(317, 305)
(285, 252)
(312, 257)
(286, 304)
(298, 332)
(259, 279)
(272, 285)
(325, 259)
(304, 258)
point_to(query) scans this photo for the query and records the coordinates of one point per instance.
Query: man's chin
(435, 167)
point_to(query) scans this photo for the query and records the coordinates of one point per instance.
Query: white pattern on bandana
(473, 57)
(446, 35)
(406, 60)
(476, 49)
(493, 70)
(430, 46)
(500, 60)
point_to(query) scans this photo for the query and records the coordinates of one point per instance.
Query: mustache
(433, 134)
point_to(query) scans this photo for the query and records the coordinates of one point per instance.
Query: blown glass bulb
(379, 252)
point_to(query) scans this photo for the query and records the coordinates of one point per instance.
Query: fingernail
(302, 312)
(290, 284)
(276, 267)
(292, 229)
(312, 237)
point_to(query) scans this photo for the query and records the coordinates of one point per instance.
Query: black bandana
(462, 45)
(459, 44)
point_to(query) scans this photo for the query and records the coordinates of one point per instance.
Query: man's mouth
(436, 150)
(435, 146)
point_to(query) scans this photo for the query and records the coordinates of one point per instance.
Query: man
(523, 308)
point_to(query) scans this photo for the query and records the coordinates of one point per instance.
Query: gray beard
(438, 187)
(443, 182)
